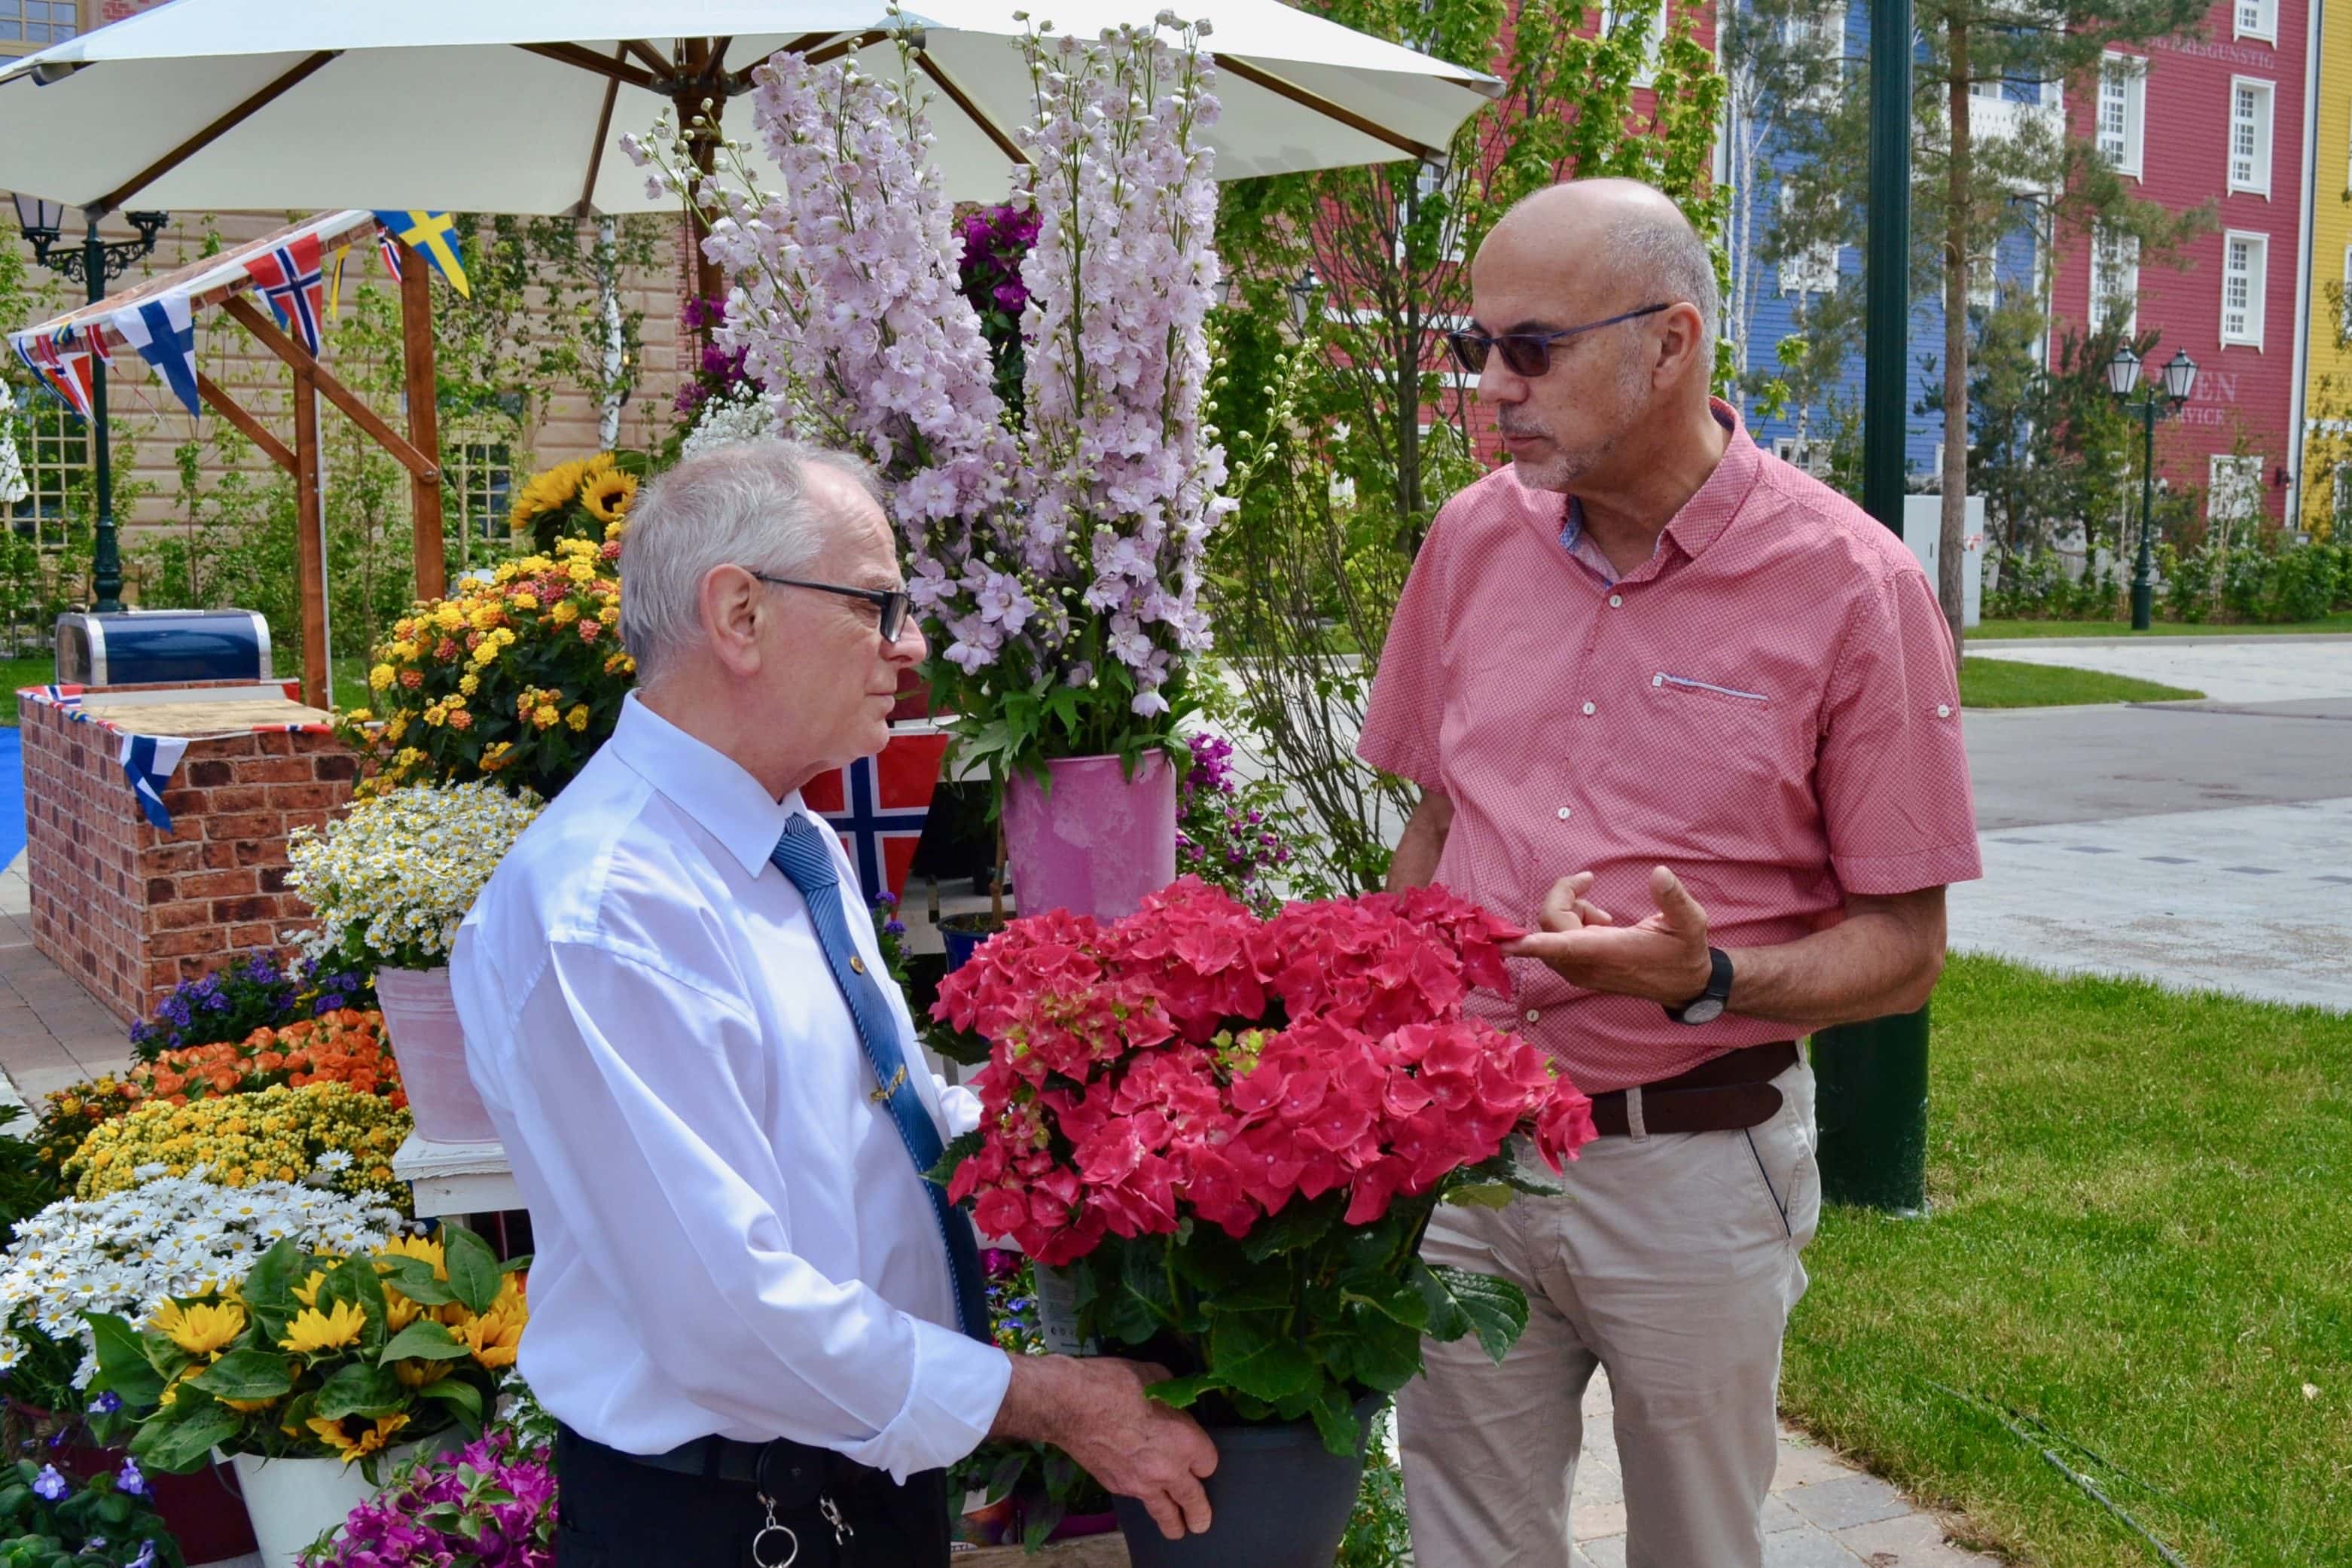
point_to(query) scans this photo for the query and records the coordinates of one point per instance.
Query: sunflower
(550, 491)
(371, 1436)
(204, 1329)
(312, 1330)
(608, 495)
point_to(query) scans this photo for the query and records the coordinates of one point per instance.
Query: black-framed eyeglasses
(891, 603)
(1529, 353)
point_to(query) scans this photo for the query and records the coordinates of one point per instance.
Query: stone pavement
(2203, 844)
(52, 1032)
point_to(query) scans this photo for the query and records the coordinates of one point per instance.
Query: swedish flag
(436, 236)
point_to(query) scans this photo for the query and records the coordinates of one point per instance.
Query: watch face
(1706, 1010)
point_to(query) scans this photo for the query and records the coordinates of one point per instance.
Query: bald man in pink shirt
(1692, 718)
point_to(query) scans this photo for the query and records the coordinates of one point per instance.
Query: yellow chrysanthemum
(312, 1330)
(546, 716)
(204, 1329)
(578, 717)
(381, 676)
(563, 613)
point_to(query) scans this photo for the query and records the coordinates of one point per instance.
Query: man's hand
(1663, 958)
(1094, 1409)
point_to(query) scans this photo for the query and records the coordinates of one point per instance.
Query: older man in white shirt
(759, 1327)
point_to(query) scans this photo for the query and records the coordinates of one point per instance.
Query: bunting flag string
(23, 345)
(293, 282)
(388, 248)
(164, 332)
(434, 236)
(65, 370)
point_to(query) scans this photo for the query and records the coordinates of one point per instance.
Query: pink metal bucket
(1099, 842)
(429, 1043)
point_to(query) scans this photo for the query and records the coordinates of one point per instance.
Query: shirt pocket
(1733, 764)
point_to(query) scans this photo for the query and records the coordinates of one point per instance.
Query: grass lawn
(2141, 1236)
(2010, 683)
(2340, 622)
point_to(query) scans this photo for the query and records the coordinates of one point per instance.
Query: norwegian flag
(295, 283)
(388, 247)
(879, 804)
(63, 369)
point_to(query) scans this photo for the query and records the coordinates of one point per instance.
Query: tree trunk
(1951, 548)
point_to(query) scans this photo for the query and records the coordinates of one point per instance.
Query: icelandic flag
(147, 763)
(436, 236)
(879, 804)
(295, 285)
(165, 336)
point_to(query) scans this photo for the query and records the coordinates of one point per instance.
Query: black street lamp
(1306, 292)
(97, 263)
(2179, 381)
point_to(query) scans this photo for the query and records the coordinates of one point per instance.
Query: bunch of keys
(791, 1544)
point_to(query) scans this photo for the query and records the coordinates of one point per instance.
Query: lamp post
(94, 265)
(2179, 381)
(1306, 292)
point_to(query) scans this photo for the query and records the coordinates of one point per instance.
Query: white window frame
(1984, 280)
(51, 29)
(1810, 453)
(2130, 73)
(1830, 37)
(1648, 72)
(2227, 476)
(2265, 25)
(1814, 271)
(2256, 180)
(2114, 277)
(2250, 330)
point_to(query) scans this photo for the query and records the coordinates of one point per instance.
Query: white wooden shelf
(456, 1178)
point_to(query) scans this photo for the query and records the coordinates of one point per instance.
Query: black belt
(790, 1474)
(1722, 1094)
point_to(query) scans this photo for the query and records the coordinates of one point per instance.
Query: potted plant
(326, 1133)
(348, 1047)
(126, 1253)
(1056, 493)
(47, 1519)
(316, 1371)
(390, 883)
(1232, 1132)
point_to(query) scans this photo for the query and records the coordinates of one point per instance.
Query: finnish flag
(148, 761)
(163, 333)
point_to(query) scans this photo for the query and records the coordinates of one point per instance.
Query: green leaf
(1335, 1420)
(1386, 1353)
(474, 1272)
(423, 1340)
(1299, 1224)
(361, 1390)
(414, 1277)
(1255, 1354)
(461, 1396)
(1181, 1392)
(246, 1374)
(179, 1446)
(1481, 1194)
(1461, 1302)
(123, 1368)
(954, 1154)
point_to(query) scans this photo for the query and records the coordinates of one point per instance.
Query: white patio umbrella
(515, 105)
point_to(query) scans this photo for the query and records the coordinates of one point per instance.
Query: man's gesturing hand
(1663, 958)
(1094, 1410)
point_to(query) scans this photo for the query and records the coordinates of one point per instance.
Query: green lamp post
(95, 264)
(1872, 1077)
(2179, 381)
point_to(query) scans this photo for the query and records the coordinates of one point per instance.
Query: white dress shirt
(730, 1235)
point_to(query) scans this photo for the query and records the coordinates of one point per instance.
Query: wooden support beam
(596, 152)
(254, 431)
(840, 46)
(972, 111)
(1230, 65)
(310, 541)
(650, 54)
(593, 63)
(213, 132)
(255, 320)
(424, 420)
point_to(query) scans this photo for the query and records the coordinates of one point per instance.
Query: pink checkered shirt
(1767, 705)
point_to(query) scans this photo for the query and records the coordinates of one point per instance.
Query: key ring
(792, 1547)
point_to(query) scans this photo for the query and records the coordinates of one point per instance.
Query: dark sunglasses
(1528, 354)
(891, 604)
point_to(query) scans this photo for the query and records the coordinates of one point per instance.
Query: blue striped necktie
(803, 854)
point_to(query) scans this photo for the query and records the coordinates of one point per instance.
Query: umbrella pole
(309, 552)
(701, 81)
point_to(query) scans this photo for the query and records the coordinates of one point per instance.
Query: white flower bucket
(292, 1502)
(429, 1044)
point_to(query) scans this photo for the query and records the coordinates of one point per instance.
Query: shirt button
(1615, 600)
(1566, 812)
(1533, 1015)
(857, 964)
(1588, 709)
(1943, 710)
(1657, 681)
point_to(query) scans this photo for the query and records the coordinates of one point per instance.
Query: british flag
(879, 804)
(295, 283)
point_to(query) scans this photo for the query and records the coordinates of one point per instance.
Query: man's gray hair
(746, 504)
(1671, 260)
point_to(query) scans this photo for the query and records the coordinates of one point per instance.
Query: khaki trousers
(1674, 1264)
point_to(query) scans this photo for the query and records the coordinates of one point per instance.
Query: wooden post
(710, 280)
(424, 422)
(309, 552)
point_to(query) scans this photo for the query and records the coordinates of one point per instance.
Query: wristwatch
(1708, 1005)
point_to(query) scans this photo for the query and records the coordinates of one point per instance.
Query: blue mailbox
(149, 647)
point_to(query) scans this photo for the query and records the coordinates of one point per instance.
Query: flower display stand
(1085, 1551)
(454, 1179)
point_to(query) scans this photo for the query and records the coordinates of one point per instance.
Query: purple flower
(51, 1484)
(129, 1480)
(106, 1404)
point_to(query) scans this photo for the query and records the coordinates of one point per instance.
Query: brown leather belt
(1722, 1094)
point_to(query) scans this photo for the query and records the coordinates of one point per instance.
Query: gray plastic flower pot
(1279, 1499)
